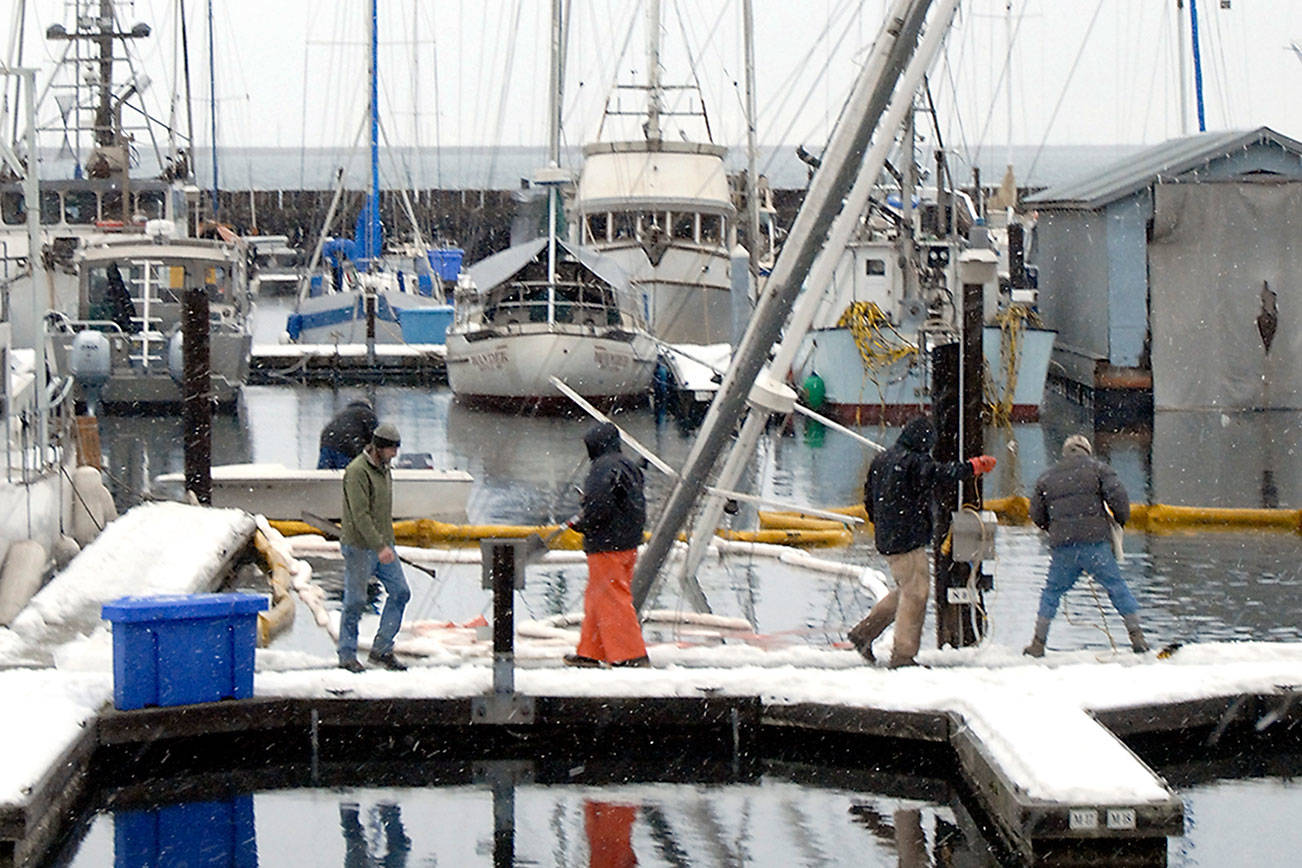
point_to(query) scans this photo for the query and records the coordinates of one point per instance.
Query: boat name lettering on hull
(490, 360)
(614, 361)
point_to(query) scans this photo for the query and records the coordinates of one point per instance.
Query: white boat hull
(513, 365)
(901, 389)
(282, 492)
(686, 296)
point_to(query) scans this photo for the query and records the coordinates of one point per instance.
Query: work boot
(387, 661)
(863, 634)
(581, 661)
(1036, 648)
(352, 664)
(643, 662)
(1137, 642)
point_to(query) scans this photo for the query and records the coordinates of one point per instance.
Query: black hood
(601, 438)
(919, 435)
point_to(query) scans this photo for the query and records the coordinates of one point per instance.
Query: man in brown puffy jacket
(1071, 501)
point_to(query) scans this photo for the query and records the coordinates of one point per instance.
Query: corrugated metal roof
(1171, 158)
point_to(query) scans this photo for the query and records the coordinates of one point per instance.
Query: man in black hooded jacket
(611, 521)
(344, 436)
(897, 497)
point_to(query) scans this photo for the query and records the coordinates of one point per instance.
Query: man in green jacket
(366, 543)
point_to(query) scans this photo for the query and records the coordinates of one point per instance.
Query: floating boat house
(1166, 275)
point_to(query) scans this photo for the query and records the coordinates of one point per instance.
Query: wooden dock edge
(1030, 827)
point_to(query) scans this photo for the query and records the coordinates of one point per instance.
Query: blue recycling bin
(179, 649)
(219, 832)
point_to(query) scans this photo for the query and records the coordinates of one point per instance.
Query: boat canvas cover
(1213, 245)
(501, 267)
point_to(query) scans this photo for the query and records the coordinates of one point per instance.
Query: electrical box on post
(973, 535)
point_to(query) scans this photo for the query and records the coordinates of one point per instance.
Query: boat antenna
(185, 61)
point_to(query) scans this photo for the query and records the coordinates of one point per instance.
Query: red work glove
(982, 464)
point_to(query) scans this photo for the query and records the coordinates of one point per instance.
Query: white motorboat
(283, 492)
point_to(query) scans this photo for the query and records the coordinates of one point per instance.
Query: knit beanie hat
(1077, 444)
(386, 436)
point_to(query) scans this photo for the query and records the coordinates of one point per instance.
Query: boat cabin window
(12, 211)
(112, 205)
(684, 227)
(712, 229)
(150, 204)
(652, 223)
(624, 225)
(51, 208)
(875, 267)
(597, 227)
(80, 207)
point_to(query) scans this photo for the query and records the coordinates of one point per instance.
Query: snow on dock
(157, 548)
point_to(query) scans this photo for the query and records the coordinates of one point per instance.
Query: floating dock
(347, 363)
(1037, 745)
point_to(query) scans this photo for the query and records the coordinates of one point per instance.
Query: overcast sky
(291, 73)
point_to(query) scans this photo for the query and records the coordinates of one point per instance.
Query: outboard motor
(176, 357)
(91, 363)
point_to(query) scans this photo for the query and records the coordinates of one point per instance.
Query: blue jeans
(1067, 562)
(359, 565)
(331, 459)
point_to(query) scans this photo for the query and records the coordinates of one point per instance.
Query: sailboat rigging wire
(1063, 93)
(1004, 71)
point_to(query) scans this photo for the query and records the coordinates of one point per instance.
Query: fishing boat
(115, 240)
(368, 287)
(664, 211)
(48, 504)
(891, 300)
(124, 346)
(546, 308)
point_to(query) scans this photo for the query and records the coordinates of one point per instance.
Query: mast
(1184, 75)
(752, 182)
(1197, 64)
(553, 151)
(212, 97)
(373, 198)
(653, 107)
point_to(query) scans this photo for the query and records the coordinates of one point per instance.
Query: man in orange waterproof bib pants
(611, 520)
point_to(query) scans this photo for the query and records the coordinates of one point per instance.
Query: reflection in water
(382, 843)
(609, 829)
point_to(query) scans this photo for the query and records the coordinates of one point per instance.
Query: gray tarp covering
(500, 267)
(1213, 245)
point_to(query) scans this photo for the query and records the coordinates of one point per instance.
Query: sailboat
(123, 250)
(367, 290)
(548, 308)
